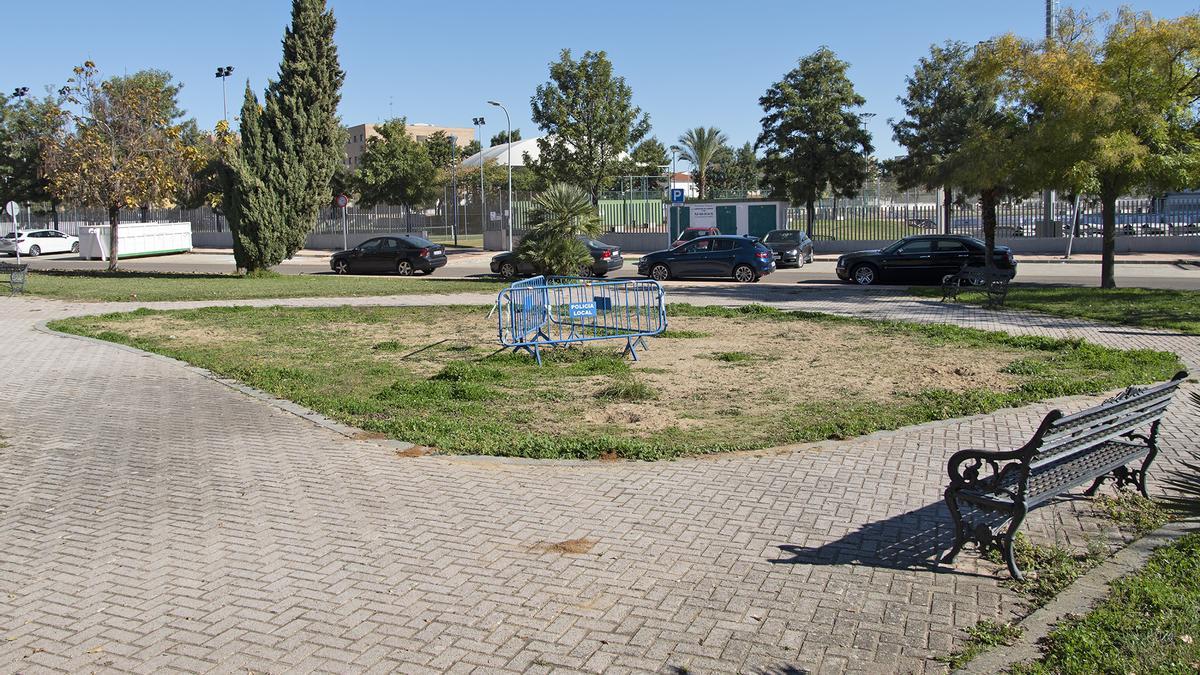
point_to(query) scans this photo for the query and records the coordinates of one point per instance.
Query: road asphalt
(1140, 271)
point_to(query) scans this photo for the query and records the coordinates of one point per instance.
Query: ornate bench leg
(1006, 544)
(1091, 492)
(960, 531)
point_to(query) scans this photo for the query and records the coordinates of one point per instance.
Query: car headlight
(791, 251)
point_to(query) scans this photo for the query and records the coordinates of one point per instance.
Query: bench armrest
(989, 470)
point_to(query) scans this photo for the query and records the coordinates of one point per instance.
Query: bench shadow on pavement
(915, 540)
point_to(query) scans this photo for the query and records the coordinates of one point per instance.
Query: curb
(1077, 599)
(344, 430)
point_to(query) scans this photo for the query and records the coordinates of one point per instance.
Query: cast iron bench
(991, 281)
(16, 276)
(1066, 452)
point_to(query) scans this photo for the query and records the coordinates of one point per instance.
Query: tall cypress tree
(291, 145)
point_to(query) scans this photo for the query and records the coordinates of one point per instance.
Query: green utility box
(755, 217)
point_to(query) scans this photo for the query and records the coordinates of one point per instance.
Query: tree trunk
(54, 211)
(114, 216)
(1108, 211)
(703, 183)
(947, 203)
(810, 213)
(987, 203)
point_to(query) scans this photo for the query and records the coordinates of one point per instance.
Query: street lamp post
(479, 122)
(508, 211)
(19, 93)
(454, 182)
(222, 74)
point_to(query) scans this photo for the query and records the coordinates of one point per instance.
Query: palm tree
(699, 147)
(562, 215)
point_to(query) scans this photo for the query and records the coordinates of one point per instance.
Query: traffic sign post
(677, 195)
(343, 201)
(12, 209)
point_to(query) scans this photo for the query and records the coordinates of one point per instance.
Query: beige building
(356, 140)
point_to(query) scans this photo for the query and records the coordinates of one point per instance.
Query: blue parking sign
(676, 195)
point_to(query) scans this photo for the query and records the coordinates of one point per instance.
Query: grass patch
(1149, 623)
(627, 389)
(981, 637)
(671, 334)
(431, 375)
(1141, 307)
(733, 357)
(154, 287)
(1130, 509)
(1049, 569)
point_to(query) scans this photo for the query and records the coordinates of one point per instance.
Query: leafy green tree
(278, 179)
(502, 137)
(813, 137)
(24, 124)
(395, 169)
(589, 121)
(120, 146)
(441, 150)
(732, 171)
(561, 216)
(470, 149)
(942, 103)
(1110, 116)
(700, 146)
(647, 159)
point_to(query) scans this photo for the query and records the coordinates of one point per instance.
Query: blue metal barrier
(542, 311)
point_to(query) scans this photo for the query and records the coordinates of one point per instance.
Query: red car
(694, 232)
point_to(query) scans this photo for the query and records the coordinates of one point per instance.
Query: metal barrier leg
(630, 349)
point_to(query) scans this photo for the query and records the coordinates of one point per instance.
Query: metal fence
(1136, 217)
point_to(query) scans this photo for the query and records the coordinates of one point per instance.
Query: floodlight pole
(223, 74)
(508, 212)
(1048, 195)
(479, 122)
(454, 183)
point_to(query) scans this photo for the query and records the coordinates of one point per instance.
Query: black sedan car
(402, 254)
(605, 259)
(745, 259)
(920, 259)
(792, 248)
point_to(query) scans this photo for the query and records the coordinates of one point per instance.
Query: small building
(755, 217)
(357, 137)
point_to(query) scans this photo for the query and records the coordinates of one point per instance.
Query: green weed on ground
(1149, 623)
(1130, 509)
(153, 287)
(1141, 307)
(458, 395)
(1049, 568)
(981, 637)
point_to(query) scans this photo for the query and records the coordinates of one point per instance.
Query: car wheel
(808, 257)
(75, 247)
(404, 268)
(864, 275)
(744, 274)
(341, 267)
(660, 272)
(508, 270)
(35, 251)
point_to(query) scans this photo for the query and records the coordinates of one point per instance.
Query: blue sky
(690, 64)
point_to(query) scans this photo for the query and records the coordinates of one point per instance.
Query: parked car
(605, 259)
(920, 259)
(692, 233)
(36, 242)
(743, 258)
(791, 247)
(402, 254)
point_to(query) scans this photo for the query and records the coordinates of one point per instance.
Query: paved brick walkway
(155, 520)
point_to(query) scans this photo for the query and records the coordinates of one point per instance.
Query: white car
(36, 242)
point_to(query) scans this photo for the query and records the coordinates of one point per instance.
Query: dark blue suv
(745, 259)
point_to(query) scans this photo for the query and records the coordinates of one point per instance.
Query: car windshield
(420, 242)
(894, 247)
(781, 236)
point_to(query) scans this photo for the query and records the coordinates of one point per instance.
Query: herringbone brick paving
(152, 520)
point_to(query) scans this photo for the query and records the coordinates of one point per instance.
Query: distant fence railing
(1135, 218)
